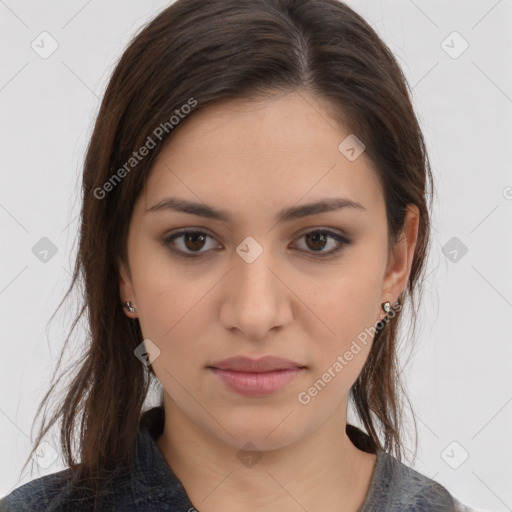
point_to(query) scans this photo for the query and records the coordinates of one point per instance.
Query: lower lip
(256, 384)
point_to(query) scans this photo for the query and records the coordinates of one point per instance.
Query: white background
(459, 379)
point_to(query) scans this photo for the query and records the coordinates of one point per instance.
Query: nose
(256, 297)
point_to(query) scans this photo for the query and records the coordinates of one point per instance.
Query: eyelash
(342, 240)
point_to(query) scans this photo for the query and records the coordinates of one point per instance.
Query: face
(303, 286)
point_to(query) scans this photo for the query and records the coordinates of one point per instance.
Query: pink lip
(256, 377)
(256, 383)
(263, 364)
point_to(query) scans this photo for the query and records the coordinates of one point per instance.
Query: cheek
(171, 311)
(176, 326)
(345, 295)
(162, 292)
(174, 314)
(345, 327)
(348, 305)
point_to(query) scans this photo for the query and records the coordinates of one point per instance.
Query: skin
(289, 302)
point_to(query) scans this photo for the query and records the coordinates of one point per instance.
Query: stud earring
(386, 306)
(128, 305)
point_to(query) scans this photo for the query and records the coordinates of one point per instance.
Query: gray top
(150, 485)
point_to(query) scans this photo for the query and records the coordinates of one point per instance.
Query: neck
(320, 471)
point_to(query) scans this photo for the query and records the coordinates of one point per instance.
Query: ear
(126, 291)
(400, 259)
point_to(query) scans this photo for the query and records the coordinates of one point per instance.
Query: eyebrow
(285, 215)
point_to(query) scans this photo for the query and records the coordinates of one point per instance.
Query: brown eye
(316, 241)
(194, 241)
(190, 244)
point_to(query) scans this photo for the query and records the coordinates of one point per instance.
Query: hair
(206, 51)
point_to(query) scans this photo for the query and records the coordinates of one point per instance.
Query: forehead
(274, 151)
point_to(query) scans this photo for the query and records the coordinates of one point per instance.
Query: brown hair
(210, 50)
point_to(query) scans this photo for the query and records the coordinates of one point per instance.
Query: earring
(386, 306)
(128, 305)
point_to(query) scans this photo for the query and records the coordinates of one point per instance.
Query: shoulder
(59, 492)
(397, 487)
(41, 494)
(137, 483)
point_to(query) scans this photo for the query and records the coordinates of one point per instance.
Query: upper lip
(263, 364)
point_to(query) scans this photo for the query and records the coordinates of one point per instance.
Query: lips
(261, 365)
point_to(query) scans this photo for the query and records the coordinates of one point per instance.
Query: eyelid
(332, 233)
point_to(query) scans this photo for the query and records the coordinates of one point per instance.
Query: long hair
(196, 52)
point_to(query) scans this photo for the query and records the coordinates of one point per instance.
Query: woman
(254, 217)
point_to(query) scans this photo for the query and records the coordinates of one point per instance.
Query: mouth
(256, 384)
(256, 377)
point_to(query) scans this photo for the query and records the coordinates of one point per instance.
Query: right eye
(192, 241)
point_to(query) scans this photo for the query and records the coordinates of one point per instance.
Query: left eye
(193, 241)
(318, 240)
